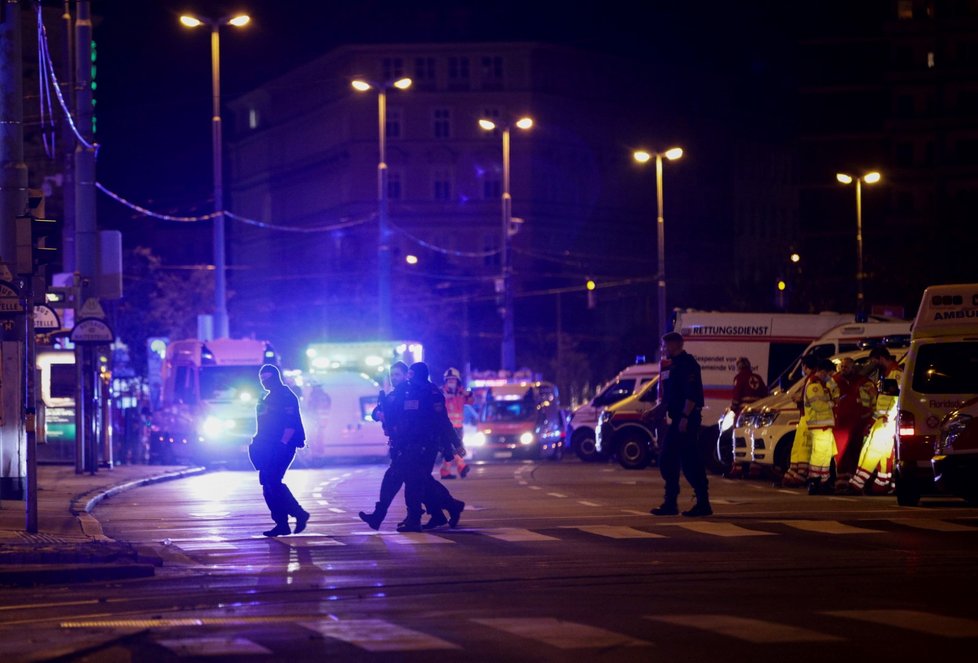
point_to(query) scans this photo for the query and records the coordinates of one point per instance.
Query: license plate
(503, 454)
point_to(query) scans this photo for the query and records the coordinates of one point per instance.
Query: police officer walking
(419, 426)
(272, 450)
(682, 400)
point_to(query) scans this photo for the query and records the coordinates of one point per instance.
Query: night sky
(700, 64)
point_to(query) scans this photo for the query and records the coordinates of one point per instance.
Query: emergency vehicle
(627, 432)
(941, 375)
(583, 423)
(207, 405)
(520, 420)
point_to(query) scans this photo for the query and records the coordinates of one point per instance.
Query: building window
(393, 68)
(441, 184)
(442, 123)
(458, 73)
(492, 188)
(392, 127)
(424, 72)
(252, 118)
(492, 72)
(394, 187)
(904, 10)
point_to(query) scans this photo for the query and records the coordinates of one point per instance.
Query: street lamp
(643, 156)
(871, 177)
(221, 322)
(383, 233)
(508, 349)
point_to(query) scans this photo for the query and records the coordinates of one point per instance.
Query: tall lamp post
(508, 351)
(871, 177)
(383, 230)
(221, 324)
(643, 156)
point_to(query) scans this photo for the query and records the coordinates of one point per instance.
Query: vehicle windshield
(225, 383)
(947, 368)
(616, 391)
(508, 411)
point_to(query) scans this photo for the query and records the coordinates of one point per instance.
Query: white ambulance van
(583, 424)
(941, 375)
(771, 341)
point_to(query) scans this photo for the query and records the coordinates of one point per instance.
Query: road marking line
(212, 646)
(561, 634)
(933, 525)
(914, 620)
(742, 628)
(556, 495)
(842, 499)
(335, 510)
(316, 541)
(789, 492)
(523, 483)
(586, 503)
(517, 535)
(322, 502)
(826, 527)
(317, 495)
(726, 530)
(376, 635)
(205, 546)
(535, 488)
(634, 512)
(414, 538)
(617, 532)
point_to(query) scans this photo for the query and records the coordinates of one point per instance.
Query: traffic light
(592, 296)
(39, 248)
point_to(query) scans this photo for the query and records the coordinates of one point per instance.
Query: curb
(44, 574)
(82, 509)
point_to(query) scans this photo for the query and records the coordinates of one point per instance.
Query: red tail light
(906, 426)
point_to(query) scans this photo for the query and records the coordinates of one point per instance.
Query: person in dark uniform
(416, 419)
(272, 450)
(682, 400)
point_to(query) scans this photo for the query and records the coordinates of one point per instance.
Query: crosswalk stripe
(556, 495)
(933, 525)
(742, 628)
(913, 620)
(376, 635)
(618, 532)
(414, 539)
(727, 530)
(212, 646)
(561, 634)
(826, 527)
(197, 546)
(517, 535)
(311, 541)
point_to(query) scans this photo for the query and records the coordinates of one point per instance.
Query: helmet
(453, 373)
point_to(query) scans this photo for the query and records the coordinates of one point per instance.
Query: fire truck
(207, 405)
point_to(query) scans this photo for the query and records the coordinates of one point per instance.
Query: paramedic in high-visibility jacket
(877, 451)
(820, 394)
(681, 397)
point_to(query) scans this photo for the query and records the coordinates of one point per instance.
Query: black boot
(437, 519)
(455, 512)
(278, 530)
(375, 519)
(300, 521)
(814, 486)
(412, 523)
(702, 508)
(667, 508)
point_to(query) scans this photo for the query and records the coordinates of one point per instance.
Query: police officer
(416, 418)
(682, 400)
(391, 483)
(272, 450)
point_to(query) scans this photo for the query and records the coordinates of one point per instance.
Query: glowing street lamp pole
(383, 239)
(221, 322)
(642, 156)
(869, 178)
(508, 349)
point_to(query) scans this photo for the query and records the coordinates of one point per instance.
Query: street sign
(92, 331)
(5, 274)
(10, 303)
(91, 309)
(45, 317)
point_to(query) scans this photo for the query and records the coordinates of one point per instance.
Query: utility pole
(13, 203)
(86, 233)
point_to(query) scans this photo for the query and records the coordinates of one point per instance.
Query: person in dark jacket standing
(279, 434)
(682, 400)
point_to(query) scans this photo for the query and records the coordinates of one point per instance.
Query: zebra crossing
(343, 535)
(843, 628)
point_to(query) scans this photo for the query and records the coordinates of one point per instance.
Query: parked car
(627, 433)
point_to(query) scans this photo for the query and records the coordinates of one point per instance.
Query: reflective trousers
(801, 453)
(877, 454)
(823, 450)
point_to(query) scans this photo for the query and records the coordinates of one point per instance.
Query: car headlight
(477, 439)
(606, 417)
(766, 419)
(527, 439)
(729, 419)
(215, 426)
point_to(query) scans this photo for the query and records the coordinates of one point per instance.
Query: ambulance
(941, 376)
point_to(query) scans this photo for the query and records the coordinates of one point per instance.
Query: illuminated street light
(794, 257)
(644, 156)
(383, 231)
(411, 260)
(782, 286)
(590, 284)
(508, 347)
(871, 177)
(221, 322)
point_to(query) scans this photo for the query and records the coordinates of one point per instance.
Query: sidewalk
(70, 545)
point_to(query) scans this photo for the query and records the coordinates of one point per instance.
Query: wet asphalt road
(552, 561)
